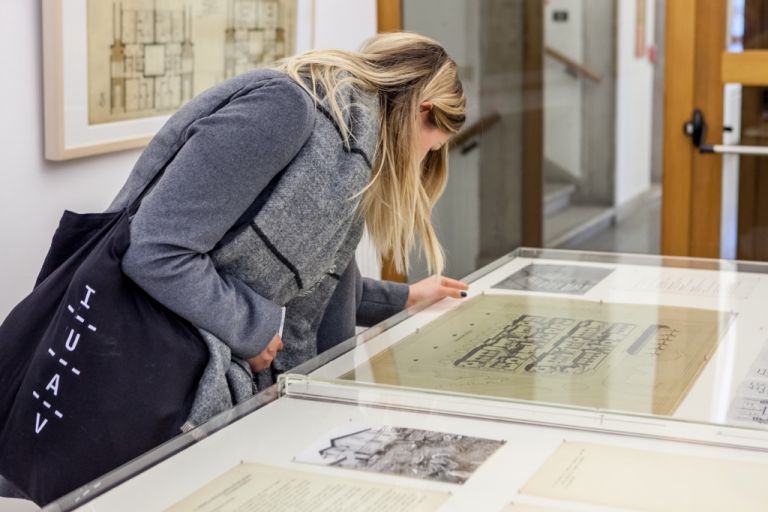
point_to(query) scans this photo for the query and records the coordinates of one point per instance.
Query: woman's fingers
(453, 288)
(453, 283)
(258, 363)
(265, 358)
(435, 288)
(276, 344)
(452, 292)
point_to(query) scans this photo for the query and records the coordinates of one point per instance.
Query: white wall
(634, 106)
(344, 24)
(33, 191)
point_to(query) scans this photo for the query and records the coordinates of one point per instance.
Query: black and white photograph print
(570, 279)
(415, 453)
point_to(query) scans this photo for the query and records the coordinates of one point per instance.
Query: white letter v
(39, 426)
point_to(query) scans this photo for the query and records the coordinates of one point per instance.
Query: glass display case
(560, 370)
(647, 336)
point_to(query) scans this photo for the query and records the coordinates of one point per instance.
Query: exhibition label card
(690, 282)
(650, 481)
(750, 401)
(410, 452)
(627, 357)
(258, 488)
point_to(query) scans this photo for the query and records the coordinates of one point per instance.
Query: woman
(299, 158)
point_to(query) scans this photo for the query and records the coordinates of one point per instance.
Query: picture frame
(71, 130)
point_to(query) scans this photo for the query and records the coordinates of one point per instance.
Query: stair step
(576, 222)
(557, 197)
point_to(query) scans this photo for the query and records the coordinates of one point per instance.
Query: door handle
(696, 129)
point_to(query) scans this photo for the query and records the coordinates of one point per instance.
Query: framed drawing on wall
(115, 70)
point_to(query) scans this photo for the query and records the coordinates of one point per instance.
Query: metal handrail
(571, 64)
(474, 129)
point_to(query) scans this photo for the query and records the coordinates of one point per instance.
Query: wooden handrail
(474, 129)
(571, 64)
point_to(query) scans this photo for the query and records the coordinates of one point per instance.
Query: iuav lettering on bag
(65, 369)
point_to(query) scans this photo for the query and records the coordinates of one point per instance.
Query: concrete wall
(33, 191)
(501, 50)
(455, 24)
(562, 89)
(478, 218)
(598, 128)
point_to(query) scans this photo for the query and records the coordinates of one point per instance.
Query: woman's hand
(263, 360)
(435, 288)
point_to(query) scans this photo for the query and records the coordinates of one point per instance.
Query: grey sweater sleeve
(380, 300)
(227, 160)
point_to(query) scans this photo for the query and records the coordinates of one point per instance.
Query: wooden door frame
(532, 207)
(692, 182)
(389, 15)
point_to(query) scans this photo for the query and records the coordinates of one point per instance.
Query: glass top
(567, 338)
(668, 337)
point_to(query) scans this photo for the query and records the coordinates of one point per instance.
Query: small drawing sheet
(648, 480)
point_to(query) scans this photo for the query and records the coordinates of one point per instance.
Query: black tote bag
(93, 371)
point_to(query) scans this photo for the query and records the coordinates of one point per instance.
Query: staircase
(568, 223)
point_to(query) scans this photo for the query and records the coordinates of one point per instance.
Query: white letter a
(39, 426)
(53, 385)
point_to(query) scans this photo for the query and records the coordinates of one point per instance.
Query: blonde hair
(405, 70)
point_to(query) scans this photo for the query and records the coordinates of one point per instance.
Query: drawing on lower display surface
(630, 357)
(749, 409)
(149, 57)
(682, 281)
(572, 279)
(649, 480)
(750, 401)
(250, 487)
(400, 451)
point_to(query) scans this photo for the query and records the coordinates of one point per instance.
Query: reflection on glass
(628, 357)
(752, 181)
(736, 26)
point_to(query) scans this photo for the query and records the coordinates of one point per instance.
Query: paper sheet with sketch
(626, 357)
(401, 451)
(650, 481)
(549, 278)
(259, 488)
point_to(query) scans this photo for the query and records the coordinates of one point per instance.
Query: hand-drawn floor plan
(149, 57)
(627, 357)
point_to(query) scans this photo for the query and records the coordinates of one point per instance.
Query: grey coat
(254, 132)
